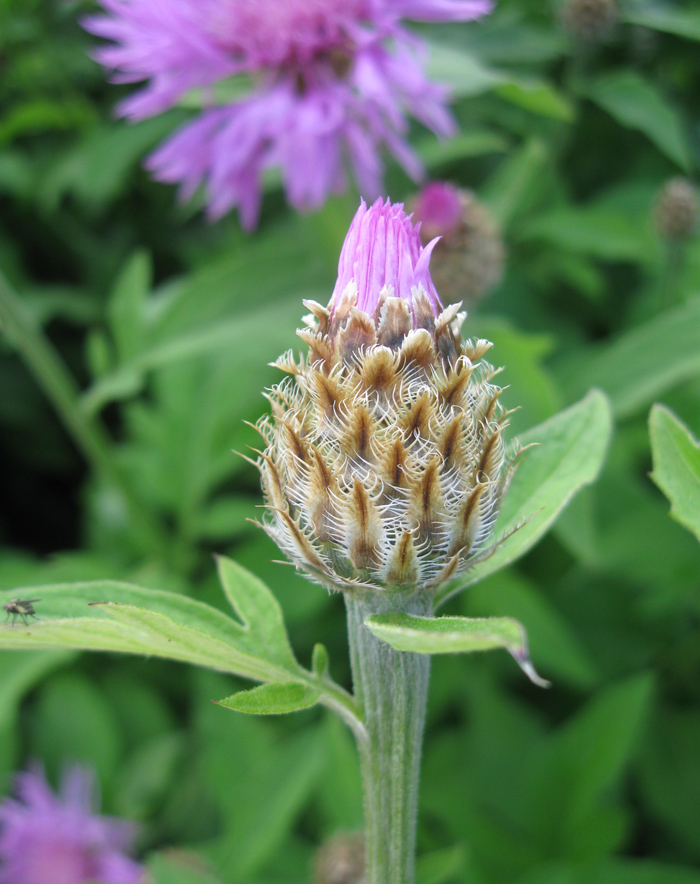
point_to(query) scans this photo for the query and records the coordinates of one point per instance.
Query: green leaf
(613, 226)
(454, 635)
(642, 363)
(539, 97)
(637, 104)
(259, 610)
(676, 456)
(273, 699)
(577, 766)
(682, 22)
(19, 673)
(460, 70)
(441, 866)
(569, 454)
(618, 871)
(178, 867)
(509, 191)
(111, 616)
(552, 639)
(127, 304)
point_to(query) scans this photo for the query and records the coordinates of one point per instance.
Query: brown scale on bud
(385, 463)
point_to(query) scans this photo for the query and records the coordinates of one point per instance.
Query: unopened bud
(341, 860)
(384, 462)
(675, 211)
(467, 262)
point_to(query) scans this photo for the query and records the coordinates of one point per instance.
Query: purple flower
(330, 82)
(382, 256)
(439, 209)
(49, 839)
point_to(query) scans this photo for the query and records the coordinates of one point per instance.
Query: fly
(20, 608)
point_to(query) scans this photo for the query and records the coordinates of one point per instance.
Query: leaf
(577, 766)
(273, 699)
(19, 673)
(613, 226)
(552, 639)
(281, 789)
(179, 867)
(112, 616)
(637, 104)
(127, 304)
(617, 871)
(454, 635)
(509, 192)
(441, 866)
(676, 456)
(569, 454)
(460, 70)
(476, 142)
(682, 22)
(539, 97)
(642, 363)
(259, 610)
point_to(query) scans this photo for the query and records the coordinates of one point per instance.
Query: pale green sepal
(273, 699)
(455, 635)
(676, 457)
(568, 453)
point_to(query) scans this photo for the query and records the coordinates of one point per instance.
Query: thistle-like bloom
(330, 80)
(468, 259)
(385, 462)
(49, 839)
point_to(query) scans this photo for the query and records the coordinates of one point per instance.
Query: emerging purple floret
(383, 249)
(58, 839)
(330, 83)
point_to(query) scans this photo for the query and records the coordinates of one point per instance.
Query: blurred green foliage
(168, 324)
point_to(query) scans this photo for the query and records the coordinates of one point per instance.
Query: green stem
(391, 689)
(60, 388)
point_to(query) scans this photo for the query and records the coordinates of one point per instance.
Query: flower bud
(468, 260)
(385, 463)
(341, 860)
(589, 21)
(675, 213)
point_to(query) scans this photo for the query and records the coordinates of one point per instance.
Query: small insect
(20, 608)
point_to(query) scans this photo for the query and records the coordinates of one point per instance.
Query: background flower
(58, 839)
(331, 82)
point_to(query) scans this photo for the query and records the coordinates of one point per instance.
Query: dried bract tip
(675, 211)
(468, 260)
(385, 461)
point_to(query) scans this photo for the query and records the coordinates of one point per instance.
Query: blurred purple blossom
(57, 839)
(438, 207)
(383, 250)
(330, 83)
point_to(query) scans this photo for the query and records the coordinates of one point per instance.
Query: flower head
(468, 259)
(676, 210)
(384, 464)
(58, 839)
(330, 79)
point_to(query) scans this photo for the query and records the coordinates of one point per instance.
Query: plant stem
(60, 388)
(391, 689)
